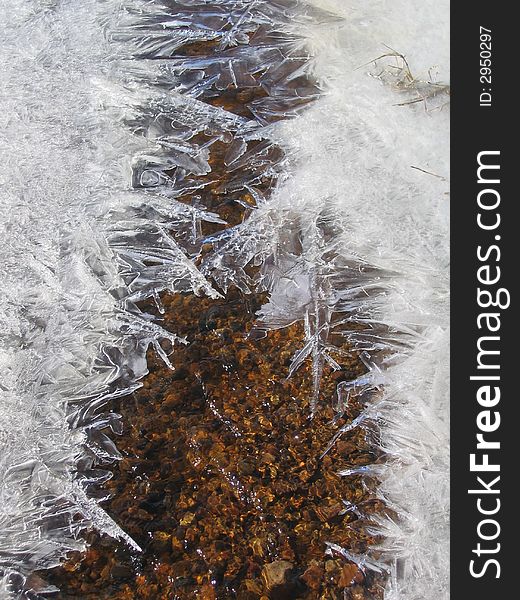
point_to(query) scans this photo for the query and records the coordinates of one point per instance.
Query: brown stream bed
(221, 481)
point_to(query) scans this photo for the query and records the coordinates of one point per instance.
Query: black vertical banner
(485, 430)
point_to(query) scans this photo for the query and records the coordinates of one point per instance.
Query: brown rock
(268, 459)
(187, 518)
(312, 577)
(257, 546)
(274, 574)
(206, 592)
(120, 571)
(254, 586)
(348, 575)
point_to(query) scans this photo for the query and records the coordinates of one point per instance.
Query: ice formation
(99, 139)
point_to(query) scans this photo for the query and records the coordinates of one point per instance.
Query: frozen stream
(86, 142)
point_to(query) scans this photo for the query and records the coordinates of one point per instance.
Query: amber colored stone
(207, 592)
(275, 573)
(254, 587)
(313, 577)
(348, 574)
